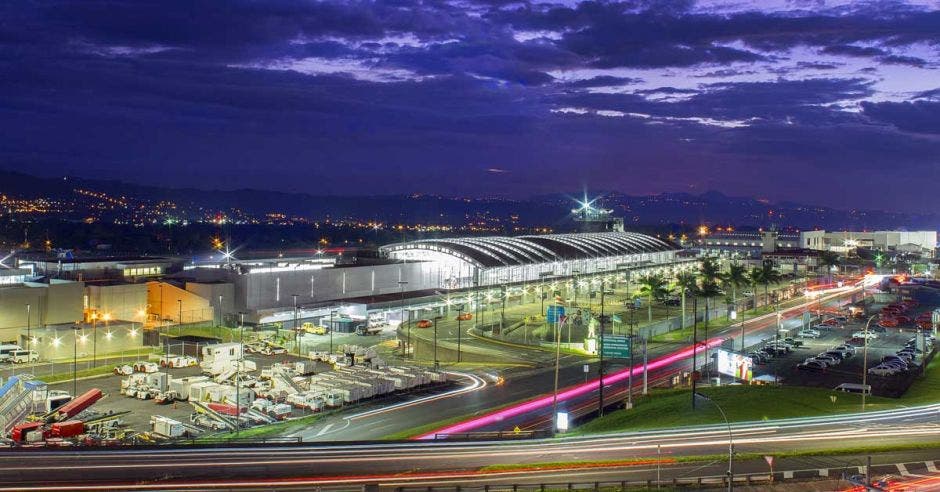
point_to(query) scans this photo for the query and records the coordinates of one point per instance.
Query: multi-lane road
(420, 463)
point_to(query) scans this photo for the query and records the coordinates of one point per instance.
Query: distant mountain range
(666, 209)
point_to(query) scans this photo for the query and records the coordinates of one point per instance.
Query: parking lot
(851, 368)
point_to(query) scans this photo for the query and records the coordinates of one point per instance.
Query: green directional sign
(616, 346)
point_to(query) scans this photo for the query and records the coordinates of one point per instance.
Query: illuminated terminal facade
(487, 261)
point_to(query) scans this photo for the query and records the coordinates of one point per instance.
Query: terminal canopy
(490, 252)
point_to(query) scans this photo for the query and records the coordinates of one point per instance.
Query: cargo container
(200, 391)
(68, 428)
(181, 385)
(22, 431)
(166, 426)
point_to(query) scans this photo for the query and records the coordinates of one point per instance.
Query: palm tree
(709, 276)
(769, 275)
(652, 286)
(828, 259)
(755, 277)
(687, 282)
(735, 277)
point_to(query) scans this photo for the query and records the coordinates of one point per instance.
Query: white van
(6, 351)
(24, 356)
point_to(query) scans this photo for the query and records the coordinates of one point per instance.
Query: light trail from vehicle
(592, 385)
(478, 384)
(577, 390)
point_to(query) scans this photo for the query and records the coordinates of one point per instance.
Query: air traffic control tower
(595, 219)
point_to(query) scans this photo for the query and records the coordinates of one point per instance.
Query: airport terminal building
(487, 261)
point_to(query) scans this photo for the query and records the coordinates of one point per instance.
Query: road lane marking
(931, 467)
(326, 428)
(903, 470)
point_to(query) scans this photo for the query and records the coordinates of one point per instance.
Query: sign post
(617, 347)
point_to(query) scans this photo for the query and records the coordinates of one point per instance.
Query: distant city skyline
(824, 102)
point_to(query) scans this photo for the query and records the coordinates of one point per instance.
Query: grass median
(673, 408)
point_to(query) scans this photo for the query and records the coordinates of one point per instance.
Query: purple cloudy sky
(829, 102)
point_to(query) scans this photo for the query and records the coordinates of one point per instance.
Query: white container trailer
(166, 426)
(158, 380)
(181, 385)
(200, 391)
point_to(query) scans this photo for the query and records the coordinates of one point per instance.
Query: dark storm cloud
(903, 60)
(369, 95)
(914, 117)
(850, 50)
(604, 81)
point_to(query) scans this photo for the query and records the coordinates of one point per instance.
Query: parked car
(838, 354)
(881, 370)
(793, 342)
(850, 349)
(827, 358)
(863, 335)
(808, 334)
(813, 366)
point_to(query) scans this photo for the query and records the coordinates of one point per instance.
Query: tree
(735, 277)
(828, 259)
(769, 275)
(687, 282)
(709, 276)
(755, 277)
(652, 286)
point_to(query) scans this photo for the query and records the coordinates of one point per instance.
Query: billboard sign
(616, 346)
(735, 365)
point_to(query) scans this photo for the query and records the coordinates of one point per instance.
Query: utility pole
(401, 286)
(436, 362)
(694, 345)
(296, 328)
(600, 369)
(460, 309)
(557, 358)
(645, 372)
(29, 338)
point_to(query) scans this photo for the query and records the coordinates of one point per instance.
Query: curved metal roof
(490, 252)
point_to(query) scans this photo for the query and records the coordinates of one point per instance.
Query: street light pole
(436, 362)
(332, 312)
(459, 319)
(29, 338)
(296, 330)
(74, 361)
(241, 358)
(730, 471)
(865, 360)
(557, 358)
(401, 286)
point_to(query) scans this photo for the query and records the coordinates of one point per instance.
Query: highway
(419, 462)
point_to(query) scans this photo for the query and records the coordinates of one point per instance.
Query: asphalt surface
(402, 464)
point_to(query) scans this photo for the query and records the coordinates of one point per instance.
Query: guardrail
(621, 485)
(493, 435)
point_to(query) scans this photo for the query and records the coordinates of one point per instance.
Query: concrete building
(748, 244)
(918, 242)
(125, 268)
(31, 305)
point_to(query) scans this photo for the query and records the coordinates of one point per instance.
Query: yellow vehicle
(534, 319)
(314, 329)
